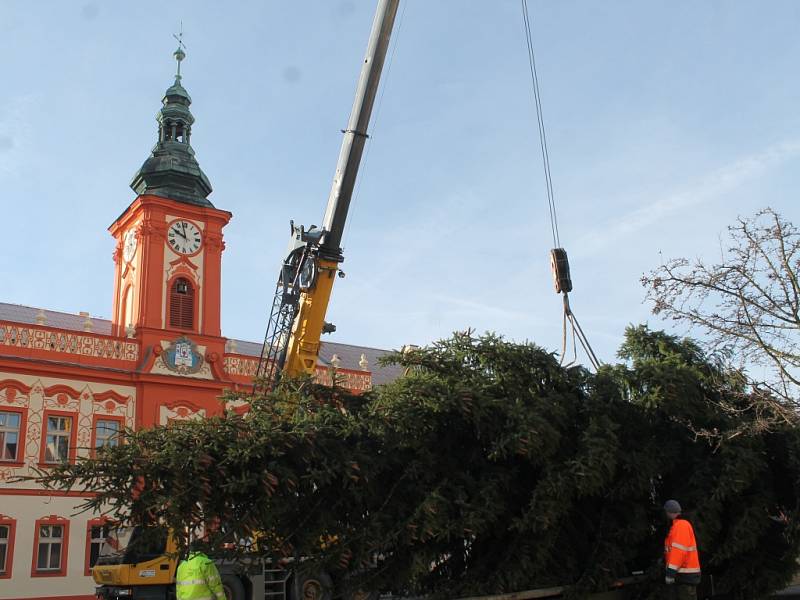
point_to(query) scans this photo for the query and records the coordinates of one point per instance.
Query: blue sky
(666, 120)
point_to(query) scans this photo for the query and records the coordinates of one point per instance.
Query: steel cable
(551, 202)
(568, 316)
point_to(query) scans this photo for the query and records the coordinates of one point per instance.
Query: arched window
(181, 304)
(127, 308)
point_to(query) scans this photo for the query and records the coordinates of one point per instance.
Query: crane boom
(355, 135)
(305, 283)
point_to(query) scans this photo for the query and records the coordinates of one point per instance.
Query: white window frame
(97, 541)
(55, 436)
(5, 546)
(106, 439)
(5, 430)
(49, 541)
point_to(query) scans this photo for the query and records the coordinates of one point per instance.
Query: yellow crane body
(303, 348)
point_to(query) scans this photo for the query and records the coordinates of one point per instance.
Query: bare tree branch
(747, 304)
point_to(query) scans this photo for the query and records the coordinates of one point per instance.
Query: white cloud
(709, 188)
(464, 308)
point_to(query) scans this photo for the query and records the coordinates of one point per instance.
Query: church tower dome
(168, 272)
(171, 171)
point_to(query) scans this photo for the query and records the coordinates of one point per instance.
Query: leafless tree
(747, 304)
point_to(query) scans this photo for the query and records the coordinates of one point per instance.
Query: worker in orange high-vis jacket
(680, 555)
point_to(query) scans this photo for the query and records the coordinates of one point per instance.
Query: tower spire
(172, 171)
(180, 53)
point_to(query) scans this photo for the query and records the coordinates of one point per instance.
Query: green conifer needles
(486, 468)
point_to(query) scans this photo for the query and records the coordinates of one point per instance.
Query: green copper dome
(172, 171)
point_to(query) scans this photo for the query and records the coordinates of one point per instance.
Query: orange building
(69, 383)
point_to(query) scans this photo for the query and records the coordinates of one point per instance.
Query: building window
(51, 542)
(50, 547)
(5, 534)
(10, 425)
(106, 433)
(127, 308)
(59, 438)
(96, 536)
(181, 304)
(7, 526)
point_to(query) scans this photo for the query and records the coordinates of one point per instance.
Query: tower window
(181, 304)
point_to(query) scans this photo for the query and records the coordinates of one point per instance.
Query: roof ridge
(326, 342)
(61, 312)
(358, 346)
(78, 315)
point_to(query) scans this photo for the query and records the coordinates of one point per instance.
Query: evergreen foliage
(487, 468)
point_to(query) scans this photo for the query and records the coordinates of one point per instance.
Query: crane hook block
(559, 265)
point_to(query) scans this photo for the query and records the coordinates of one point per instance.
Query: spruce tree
(487, 468)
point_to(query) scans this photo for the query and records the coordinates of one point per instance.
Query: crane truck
(127, 570)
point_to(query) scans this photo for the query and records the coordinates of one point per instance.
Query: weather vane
(179, 54)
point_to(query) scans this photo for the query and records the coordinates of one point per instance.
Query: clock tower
(168, 255)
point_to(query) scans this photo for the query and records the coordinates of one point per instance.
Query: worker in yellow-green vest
(197, 578)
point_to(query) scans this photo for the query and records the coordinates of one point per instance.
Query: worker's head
(672, 508)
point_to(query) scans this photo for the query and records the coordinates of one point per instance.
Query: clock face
(129, 245)
(184, 237)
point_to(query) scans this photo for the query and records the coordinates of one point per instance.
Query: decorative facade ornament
(41, 318)
(179, 411)
(335, 361)
(363, 363)
(87, 322)
(214, 242)
(67, 342)
(130, 331)
(230, 347)
(240, 366)
(182, 356)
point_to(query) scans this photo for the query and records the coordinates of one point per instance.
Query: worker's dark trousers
(681, 591)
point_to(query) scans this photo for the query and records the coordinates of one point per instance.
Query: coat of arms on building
(182, 356)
